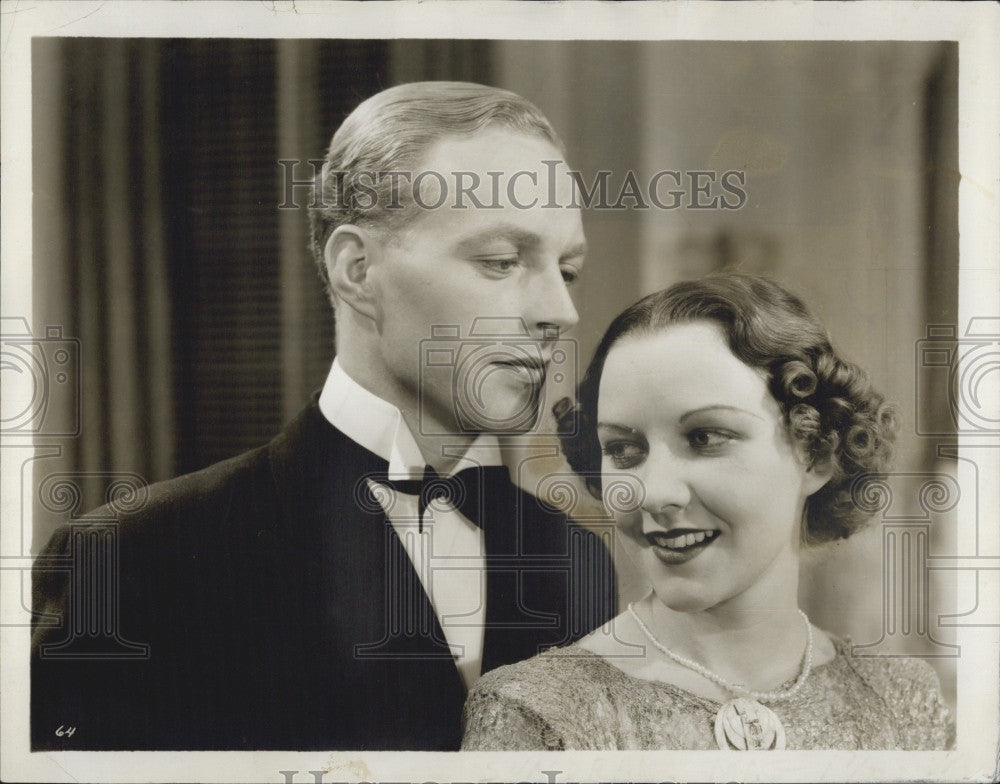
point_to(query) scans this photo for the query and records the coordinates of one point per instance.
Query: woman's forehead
(677, 369)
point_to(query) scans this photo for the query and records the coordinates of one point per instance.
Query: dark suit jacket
(267, 603)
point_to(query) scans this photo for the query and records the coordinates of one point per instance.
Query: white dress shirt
(449, 555)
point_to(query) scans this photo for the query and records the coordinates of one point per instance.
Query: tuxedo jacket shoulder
(267, 603)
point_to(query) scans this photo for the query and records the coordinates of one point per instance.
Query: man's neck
(440, 447)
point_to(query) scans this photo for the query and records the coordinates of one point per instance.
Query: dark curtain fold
(100, 267)
(441, 59)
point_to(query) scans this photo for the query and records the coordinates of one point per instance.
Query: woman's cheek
(623, 495)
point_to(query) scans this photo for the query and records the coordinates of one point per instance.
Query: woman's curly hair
(829, 404)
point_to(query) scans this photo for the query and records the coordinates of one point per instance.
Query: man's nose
(553, 308)
(666, 483)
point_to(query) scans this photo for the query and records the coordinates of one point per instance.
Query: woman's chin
(683, 601)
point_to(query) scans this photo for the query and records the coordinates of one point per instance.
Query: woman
(726, 434)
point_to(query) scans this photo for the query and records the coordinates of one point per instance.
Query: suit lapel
(511, 631)
(375, 640)
(528, 607)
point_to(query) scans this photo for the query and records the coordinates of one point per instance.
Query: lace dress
(570, 698)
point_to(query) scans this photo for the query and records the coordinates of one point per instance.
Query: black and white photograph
(500, 391)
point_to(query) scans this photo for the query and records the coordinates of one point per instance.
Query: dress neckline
(841, 647)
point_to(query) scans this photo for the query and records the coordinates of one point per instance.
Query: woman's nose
(664, 483)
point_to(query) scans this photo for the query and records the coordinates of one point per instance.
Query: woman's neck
(760, 649)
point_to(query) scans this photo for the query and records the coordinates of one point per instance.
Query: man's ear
(348, 256)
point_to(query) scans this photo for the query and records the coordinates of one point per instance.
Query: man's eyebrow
(507, 232)
(516, 236)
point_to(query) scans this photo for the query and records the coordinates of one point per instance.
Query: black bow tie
(464, 491)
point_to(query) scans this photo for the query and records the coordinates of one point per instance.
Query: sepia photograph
(457, 392)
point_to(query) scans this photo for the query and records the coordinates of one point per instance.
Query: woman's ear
(348, 256)
(818, 474)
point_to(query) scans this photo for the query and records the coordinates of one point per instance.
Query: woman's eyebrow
(616, 428)
(719, 407)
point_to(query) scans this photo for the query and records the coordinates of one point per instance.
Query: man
(344, 586)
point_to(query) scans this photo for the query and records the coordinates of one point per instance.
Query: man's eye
(623, 454)
(704, 439)
(570, 275)
(500, 265)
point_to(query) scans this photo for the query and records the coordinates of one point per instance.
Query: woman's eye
(570, 275)
(623, 454)
(704, 439)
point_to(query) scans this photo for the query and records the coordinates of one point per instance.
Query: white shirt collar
(379, 427)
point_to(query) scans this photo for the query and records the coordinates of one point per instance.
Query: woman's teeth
(684, 541)
(679, 542)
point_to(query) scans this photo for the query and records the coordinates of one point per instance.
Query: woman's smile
(680, 544)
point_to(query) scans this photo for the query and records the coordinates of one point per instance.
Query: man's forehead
(497, 184)
(470, 228)
(495, 170)
(494, 148)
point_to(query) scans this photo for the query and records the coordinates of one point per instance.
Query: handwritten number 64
(67, 732)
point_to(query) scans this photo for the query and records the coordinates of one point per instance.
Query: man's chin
(513, 425)
(502, 417)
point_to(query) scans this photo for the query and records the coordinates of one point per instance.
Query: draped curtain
(100, 269)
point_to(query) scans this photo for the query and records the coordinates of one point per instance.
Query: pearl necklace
(743, 723)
